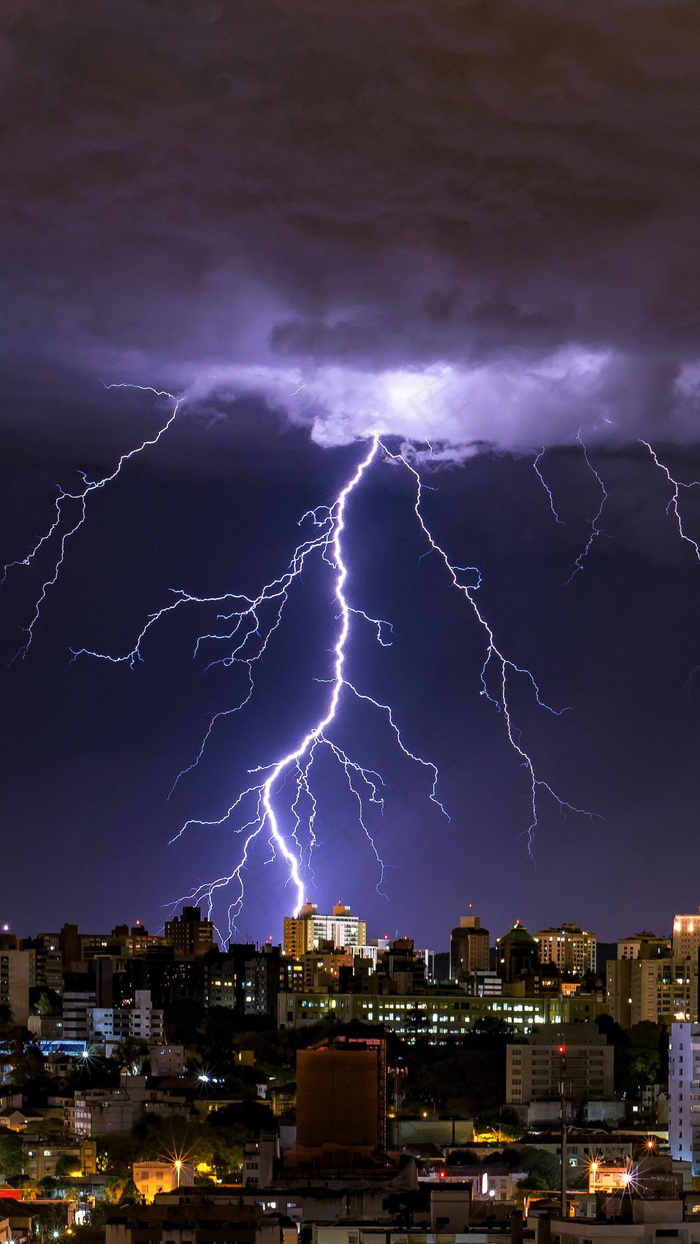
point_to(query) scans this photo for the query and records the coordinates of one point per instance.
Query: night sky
(473, 224)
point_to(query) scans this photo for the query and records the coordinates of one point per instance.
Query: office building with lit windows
(652, 990)
(436, 1017)
(686, 936)
(684, 1094)
(569, 947)
(469, 949)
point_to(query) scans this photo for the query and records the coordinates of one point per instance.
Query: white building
(163, 1175)
(141, 1021)
(574, 1053)
(307, 930)
(684, 1094)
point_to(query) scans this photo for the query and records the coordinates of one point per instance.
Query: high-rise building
(569, 947)
(686, 936)
(683, 1075)
(341, 1097)
(643, 945)
(652, 990)
(574, 1053)
(262, 981)
(469, 948)
(307, 930)
(189, 934)
(517, 954)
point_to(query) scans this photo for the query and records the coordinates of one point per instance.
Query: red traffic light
(562, 1049)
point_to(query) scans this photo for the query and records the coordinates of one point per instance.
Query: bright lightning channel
(546, 486)
(673, 503)
(672, 506)
(249, 632)
(64, 534)
(505, 669)
(596, 530)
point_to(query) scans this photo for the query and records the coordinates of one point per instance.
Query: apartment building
(575, 1054)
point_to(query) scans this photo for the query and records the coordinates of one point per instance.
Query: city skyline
(339, 915)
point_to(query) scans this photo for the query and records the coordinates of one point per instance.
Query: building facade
(686, 936)
(652, 990)
(684, 1093)
(575, 1054)
(306, 931)
(469, 948)
(189, 934)
(643, 946)
(141, 1022)
(517, 954)
(434, 1017)
(569, 947)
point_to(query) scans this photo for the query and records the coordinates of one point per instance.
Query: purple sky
(473, 224)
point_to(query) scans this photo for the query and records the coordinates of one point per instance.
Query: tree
(641, 1054)
(19, 1050)
(44, 1001)
(463, 1079)
(67, 1164)
(183, 1020)
(46, 1128)
(252, 1116)
(463, 1157)
(540, 1166)
(92, 1232)
(130, 1053)
(95, 1072)
(130, 1194)
(11, 1155)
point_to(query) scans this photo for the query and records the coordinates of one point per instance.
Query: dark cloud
(499, 199)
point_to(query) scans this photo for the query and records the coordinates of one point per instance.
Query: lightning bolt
(672, 506)
(595, 529)
(249, 632)
(247, 626)
(504, 667)
(545, 485)
(81, 497)
(675, 495)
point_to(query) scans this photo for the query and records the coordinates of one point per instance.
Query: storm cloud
(477, 223)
